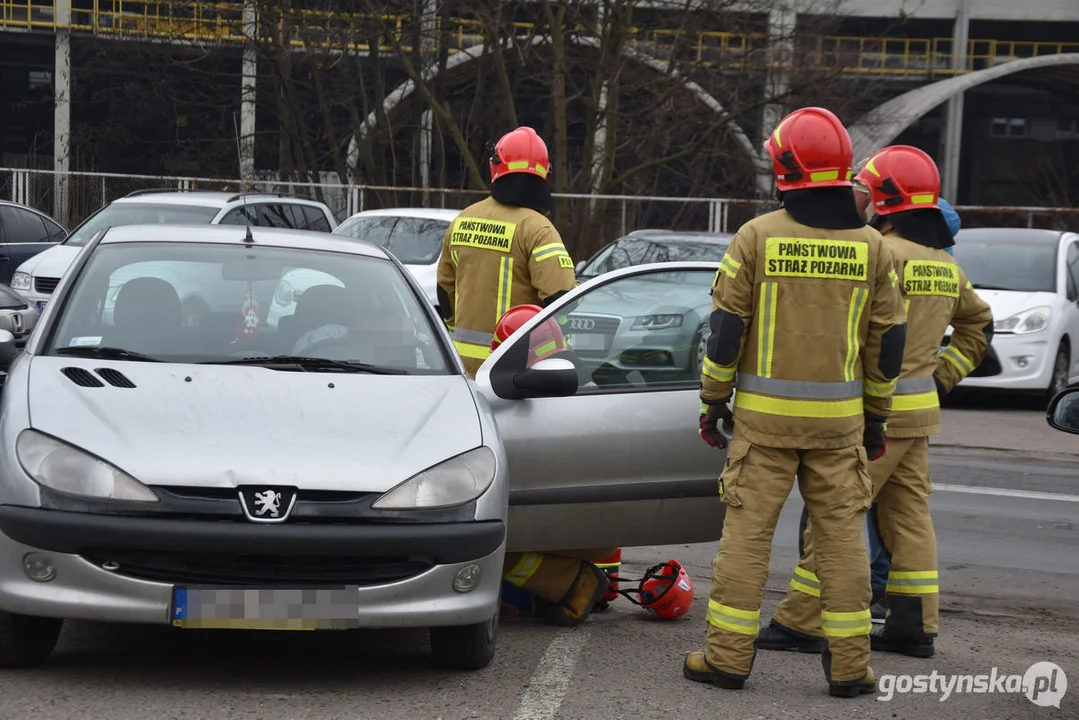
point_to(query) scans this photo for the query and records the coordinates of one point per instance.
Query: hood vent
(82, 378)
(114, 377)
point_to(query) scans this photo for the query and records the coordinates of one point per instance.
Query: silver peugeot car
(337, 469)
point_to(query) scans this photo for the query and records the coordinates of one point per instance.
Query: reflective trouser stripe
(918, 393)
(505, 286)
(805, 582)
(962, 362)
(718, 372)
(804, 390)
(854, 318)
(549, 250)
(743, 622)
(875, 389)
(525, 568)
(846, 624)
(918, 582)
(766, 332)
(798, 408)
(472, 350)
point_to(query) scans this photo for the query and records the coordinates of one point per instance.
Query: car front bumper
(1015, 362)
(399, 575)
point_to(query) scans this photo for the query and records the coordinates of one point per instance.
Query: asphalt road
(1009, 559)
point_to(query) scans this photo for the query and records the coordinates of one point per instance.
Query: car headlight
(65, 468)
(1028, 321)
(657, 322)
(283, 296)
(20, 281)
(456, 481)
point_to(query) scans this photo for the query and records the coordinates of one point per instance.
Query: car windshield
(1014, 265)
(212, 303)
(118, 214)
(412, 240)
(629, 252)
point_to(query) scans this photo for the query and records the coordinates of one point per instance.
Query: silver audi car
(335, 469)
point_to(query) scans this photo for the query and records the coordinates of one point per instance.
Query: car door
(23, 234)
(1071, 308)
(619, 462)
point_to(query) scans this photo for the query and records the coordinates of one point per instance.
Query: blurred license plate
(41, 305)
(589, 341)
(278, 609)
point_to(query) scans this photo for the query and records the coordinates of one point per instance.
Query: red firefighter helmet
(901, 178)
(520, 151)
(512, 321)
(667, 590)
(810, 148)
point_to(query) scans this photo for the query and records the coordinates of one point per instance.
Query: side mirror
(553, 377)
(580, 266)
(8, 351)
(1063, 411)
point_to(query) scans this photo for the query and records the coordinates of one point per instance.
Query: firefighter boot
(576, 605)
(919, 647)
(698, 669)
(779, 637)
(848, 688)
(610, 565)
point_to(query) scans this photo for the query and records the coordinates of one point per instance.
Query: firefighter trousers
(755, 484)
(901, 512)
(552, 575)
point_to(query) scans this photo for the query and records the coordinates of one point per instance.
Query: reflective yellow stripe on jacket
(798, 398)
(915, 394)
(472, 343)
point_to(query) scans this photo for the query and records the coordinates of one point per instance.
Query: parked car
(37, 278)
(162, 474)
(16, 315)
(413, 235)
(641, 247)
(1030, 278)
(24, 232)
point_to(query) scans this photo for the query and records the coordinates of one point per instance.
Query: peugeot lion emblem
(267, 504)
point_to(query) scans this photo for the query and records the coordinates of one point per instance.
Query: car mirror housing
(552, 377)
(580, 266)
(8, 351)
(1063, 411)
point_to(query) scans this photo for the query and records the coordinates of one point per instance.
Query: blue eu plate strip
(179, 605)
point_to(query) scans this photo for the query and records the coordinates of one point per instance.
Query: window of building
(1008, 128)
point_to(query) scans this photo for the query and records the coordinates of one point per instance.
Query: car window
(243, 215)
(316, 219)
(640, 332)
(1073, 269)
(626, 252)
(372, 229)
(208, 303)
(138, 213)
(56, 232)
(686, 252)
(416, 241)
(275, 215)
(1018, 266)
(21, 226)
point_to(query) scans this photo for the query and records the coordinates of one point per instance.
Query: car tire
(1058, 382)
(465, 647)
(699, 348)
(25, 640)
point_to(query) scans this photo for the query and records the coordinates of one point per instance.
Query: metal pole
(247, 93)
(61, 143)
(428, 55)
(953, 141)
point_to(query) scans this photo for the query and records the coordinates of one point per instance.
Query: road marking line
(549, 683)
(1004, 492)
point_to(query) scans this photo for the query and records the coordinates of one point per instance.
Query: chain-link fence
(587, 222)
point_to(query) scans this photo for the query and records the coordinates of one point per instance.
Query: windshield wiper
(105, 353)
(980, 286)
(310, 363)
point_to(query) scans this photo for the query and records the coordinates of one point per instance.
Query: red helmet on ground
(810, 148)
(901, 178)
(520, 151)
(512, 321)
(667, 590)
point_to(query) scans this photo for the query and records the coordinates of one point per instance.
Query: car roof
(273, 237)
(1005, 234)
(446, 214)
(204, 198)
(679, 236)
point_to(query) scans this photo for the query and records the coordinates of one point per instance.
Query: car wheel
(1058, 383)
(699, 350)
(465, 647)
(25, 640)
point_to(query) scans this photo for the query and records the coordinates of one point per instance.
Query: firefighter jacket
(812, 322)
(936, 293)
(494, 257)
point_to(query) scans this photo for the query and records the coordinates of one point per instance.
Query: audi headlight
(1028, 321)
(456, 481)
(20, 281)
(657, 322)
(284, 293)
(65, 468)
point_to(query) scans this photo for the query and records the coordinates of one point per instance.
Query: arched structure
(884, 123)
(455, 61)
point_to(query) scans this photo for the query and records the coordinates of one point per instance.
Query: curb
(1015, 452)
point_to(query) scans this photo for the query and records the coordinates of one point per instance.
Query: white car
(1030, 278)
(36, 278)
(413, 235)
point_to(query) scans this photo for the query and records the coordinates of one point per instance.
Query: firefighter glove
(710, 419)
(873, 438)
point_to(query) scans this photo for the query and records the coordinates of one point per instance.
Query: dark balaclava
(833, 208)
(523, 190)
(926, 227)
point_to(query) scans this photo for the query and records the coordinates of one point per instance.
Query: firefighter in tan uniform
(502, 251)
(807, 313)
(905, 187)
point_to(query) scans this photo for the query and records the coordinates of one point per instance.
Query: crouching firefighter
(905, 186)
(807, 313)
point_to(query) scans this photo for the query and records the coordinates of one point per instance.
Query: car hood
(1006, 303)
(52, 263)
(427, 277)
(647, 298)
(217, 426)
